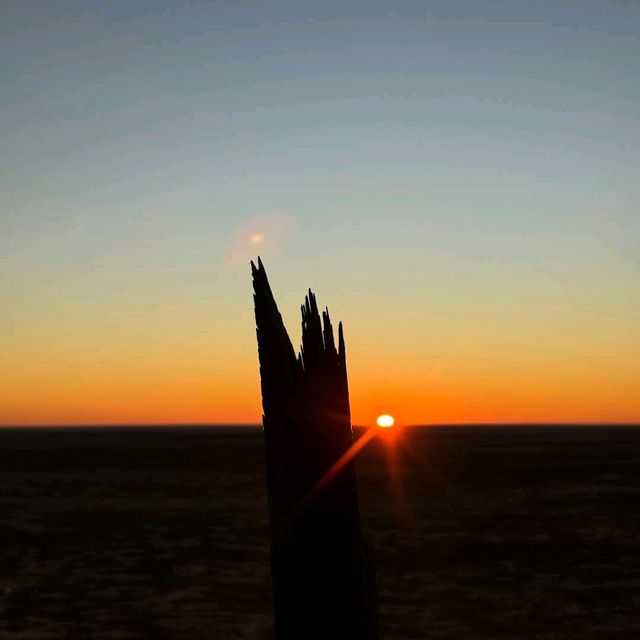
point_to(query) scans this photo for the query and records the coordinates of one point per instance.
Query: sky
(458, 181)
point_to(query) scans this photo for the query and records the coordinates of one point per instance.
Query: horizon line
(251, 425)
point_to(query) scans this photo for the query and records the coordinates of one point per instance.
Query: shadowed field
(477, 532)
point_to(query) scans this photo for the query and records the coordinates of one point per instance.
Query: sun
(385, 421)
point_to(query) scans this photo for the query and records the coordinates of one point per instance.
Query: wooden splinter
(323, 583)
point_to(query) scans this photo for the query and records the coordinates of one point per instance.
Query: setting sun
(385, 421)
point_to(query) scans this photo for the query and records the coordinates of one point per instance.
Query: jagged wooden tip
(322, 581)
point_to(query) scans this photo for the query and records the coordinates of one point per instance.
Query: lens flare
(385, 421)
(267, 233)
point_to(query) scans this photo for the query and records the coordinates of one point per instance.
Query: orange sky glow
(200, 365)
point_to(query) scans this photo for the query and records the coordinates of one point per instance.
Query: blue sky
(431, 154)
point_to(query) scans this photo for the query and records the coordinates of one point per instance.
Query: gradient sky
(458, 181)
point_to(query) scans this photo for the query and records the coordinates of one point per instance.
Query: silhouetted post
(323, 584)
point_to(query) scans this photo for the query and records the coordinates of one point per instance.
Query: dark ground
(480, 532)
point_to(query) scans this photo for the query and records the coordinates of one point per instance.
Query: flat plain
(477, 532)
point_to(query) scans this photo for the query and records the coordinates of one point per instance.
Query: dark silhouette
(323, 584)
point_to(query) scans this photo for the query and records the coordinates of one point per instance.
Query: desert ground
(477, 532)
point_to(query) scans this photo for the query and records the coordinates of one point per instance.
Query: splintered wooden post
(323, 583)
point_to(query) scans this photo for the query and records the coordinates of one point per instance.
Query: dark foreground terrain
(478, 532)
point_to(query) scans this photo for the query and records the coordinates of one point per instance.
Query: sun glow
(385, 421)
